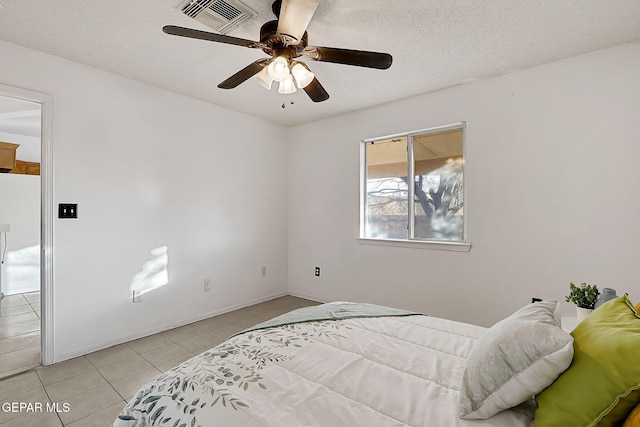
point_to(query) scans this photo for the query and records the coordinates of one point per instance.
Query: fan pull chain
(290, 102)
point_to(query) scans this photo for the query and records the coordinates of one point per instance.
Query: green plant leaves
(583, 295)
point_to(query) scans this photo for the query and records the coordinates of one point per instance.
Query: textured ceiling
(434, 43)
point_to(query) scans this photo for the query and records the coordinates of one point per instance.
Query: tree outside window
(427, 206)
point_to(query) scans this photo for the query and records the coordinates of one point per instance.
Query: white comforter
(386, 371)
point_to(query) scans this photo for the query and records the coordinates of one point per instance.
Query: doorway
(26, 242)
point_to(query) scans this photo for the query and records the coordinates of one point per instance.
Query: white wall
(20, 207)
(149, 168)
(551, 166)
(552, 170)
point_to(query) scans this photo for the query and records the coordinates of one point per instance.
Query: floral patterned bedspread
(361, 371)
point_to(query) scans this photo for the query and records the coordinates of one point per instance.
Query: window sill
(419, 244)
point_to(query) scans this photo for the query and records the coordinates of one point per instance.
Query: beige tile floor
(19, 333)
(96, 387)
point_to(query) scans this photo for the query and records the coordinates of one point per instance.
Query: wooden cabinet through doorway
(7, 156)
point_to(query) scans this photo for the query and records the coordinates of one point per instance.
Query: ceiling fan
(285, 40)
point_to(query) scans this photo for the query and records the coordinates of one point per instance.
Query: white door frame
(46, 214)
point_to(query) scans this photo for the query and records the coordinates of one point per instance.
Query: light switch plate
(68, 210)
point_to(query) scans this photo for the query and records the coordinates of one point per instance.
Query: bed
(346, 364)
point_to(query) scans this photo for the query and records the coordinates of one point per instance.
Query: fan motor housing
(277, 42)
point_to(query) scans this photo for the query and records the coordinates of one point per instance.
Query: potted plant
(584, 296)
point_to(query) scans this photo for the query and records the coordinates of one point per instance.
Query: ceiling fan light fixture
(283, 40)
(278, 69)
(287, 86)
(264, 79)
(302, 75)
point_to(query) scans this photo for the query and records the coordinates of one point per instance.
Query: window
(429, 206)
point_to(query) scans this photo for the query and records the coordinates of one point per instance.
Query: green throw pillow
(602, 385)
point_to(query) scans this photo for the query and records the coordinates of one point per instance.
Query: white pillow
(517, 358)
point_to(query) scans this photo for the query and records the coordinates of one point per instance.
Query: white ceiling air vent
(223, 16)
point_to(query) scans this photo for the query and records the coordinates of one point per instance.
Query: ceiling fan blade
(315, 91)
(360, 58)
(204, 35)
(295, 16)
(245, 74)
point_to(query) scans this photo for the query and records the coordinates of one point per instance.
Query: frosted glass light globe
(264, 78)
(286, 86)
(302, 75)
(279, 69)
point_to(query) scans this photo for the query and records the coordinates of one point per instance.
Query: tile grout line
(49, 397)
(20, 349)
(84, 373)
(107, 381)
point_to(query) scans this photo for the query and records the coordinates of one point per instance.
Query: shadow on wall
(22, 271)
(154, 273)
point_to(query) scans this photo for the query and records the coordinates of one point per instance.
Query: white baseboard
(86, 350)
(309, 297)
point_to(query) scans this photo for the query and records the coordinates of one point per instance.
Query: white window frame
(410, 241)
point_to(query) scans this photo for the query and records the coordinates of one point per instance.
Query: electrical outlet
(207, 285)
(136, 297)
(317, 271)
(264, 271)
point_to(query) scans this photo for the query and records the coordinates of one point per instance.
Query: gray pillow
(517, 358)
